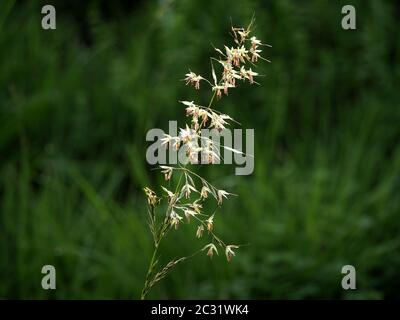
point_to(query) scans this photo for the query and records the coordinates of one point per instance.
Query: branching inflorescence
(187, 198)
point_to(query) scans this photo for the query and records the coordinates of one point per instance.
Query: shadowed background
(76, 104)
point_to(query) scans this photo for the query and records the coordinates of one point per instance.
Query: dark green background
(77, 102)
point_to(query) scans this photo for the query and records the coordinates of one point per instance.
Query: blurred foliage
(75, 106)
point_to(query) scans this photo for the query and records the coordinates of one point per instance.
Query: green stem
(146, 287)
(211, 101)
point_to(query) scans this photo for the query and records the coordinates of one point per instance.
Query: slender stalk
(146, 287)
